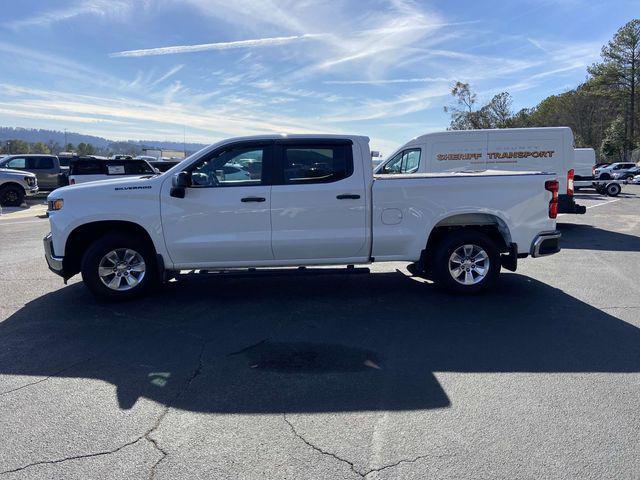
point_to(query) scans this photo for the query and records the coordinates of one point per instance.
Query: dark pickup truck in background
(47, 169)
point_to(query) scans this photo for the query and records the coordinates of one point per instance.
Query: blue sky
(146, 69)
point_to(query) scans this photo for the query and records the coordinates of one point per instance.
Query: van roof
(494, 130)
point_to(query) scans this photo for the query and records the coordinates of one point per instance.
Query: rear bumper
(545, 244)
(566, 204)
(54, 263)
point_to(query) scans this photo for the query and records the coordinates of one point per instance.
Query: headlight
(56, 205)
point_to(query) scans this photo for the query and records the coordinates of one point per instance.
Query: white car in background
(607, 173)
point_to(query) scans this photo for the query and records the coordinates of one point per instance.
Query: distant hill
(33, 135)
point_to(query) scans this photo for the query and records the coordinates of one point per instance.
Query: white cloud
(104, 8)
(257, 42)
(168, 75)
(389, 81)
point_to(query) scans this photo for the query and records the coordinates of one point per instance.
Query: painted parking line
(593, 206)
(604, 203)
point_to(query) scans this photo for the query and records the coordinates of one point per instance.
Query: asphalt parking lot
(376, 376)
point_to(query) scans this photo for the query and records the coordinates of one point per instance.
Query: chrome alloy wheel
(469, 264)
(121, 269)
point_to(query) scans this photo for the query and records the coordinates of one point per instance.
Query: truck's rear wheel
(613, 189)
(119, 267)
(11, 196)
(466, 261)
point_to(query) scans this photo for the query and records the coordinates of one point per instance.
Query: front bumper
(566, 204)
(545, 244)
(32, 191)
(54, 263)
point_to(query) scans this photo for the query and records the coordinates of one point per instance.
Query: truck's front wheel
(11, 196)
(466, 261)
(119, 267)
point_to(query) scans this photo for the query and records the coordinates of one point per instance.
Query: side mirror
(179, 184)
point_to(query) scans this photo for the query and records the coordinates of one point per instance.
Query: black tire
(11, 196)
(454, 241)
(613, 189)
(605, 176)
(117, 242)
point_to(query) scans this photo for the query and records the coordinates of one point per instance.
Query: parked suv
(627, 174)
(606, 173)
(15, 185)
(47, 169)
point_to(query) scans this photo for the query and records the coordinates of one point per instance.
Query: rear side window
(137, 168)
(87, 167)
(316, 164)
(40, 163)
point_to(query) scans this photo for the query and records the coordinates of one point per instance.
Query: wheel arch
(84, 235)
(11, 183)
(490, 224)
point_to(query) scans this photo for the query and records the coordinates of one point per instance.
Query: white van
(548, 149)
(584, 163)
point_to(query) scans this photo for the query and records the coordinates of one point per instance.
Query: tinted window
(137, 168)
(87, 167)
(40, 163)
(17, 163)
(235, 167)
(310, 164)
(64, 161)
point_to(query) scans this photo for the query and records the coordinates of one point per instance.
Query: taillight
(552, 186)
(72, 181)
(570, 175)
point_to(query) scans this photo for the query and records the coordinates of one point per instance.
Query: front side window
(406, 161)
(316, 164)
(17, 163)
(235, 167)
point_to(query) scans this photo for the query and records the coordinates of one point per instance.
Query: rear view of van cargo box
(518, 149)
(584, 163)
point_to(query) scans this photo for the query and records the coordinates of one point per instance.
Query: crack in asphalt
(246, 349)
(164, 454)
(74, 457)
(351, 464)
(54, 374)
(146, 436)
(318, 449)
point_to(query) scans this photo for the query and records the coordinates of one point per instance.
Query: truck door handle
(348, 196)
(252, 199)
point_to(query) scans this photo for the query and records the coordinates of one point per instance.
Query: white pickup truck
(302, 200)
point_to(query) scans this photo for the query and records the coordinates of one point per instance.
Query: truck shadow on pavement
(310, 344)
(576, 236)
